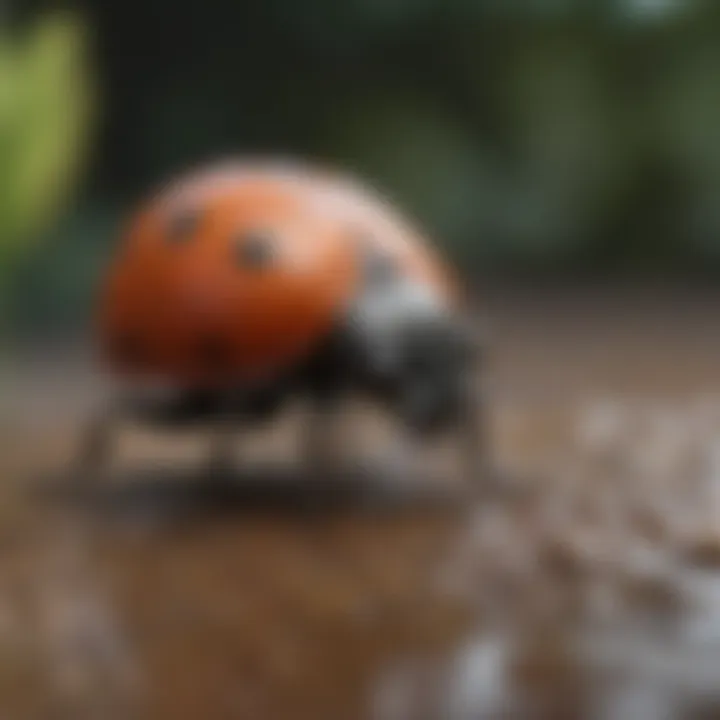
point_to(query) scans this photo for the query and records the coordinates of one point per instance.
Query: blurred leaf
(423, 158)
(45, 115)
(572, 144)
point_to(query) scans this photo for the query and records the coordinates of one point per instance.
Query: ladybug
(241, 286)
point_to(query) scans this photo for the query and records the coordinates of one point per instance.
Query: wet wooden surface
(592, 594)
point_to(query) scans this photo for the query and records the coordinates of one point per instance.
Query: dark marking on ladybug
(254, 250)
(182, 227)
(378, 267)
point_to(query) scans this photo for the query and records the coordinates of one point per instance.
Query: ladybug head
(408, 341)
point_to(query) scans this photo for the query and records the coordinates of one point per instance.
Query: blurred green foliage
(522, 133)
(525, 135)
(45, 116)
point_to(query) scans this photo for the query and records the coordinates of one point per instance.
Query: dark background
(566, 139)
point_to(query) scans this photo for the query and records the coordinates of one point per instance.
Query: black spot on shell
(379, 268)
(254, 250)
(182, 227)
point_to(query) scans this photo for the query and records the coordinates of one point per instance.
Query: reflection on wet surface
(592, 593)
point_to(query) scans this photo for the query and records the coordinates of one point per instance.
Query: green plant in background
(45, 117)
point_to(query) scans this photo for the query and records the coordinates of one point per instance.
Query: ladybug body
(242, 286)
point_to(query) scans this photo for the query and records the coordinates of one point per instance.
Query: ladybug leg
(477, 457)
(475, 428)
(474, 437)
(97, 444)
(322, 439)
(403, 464)
(227, 413)
(222, 450)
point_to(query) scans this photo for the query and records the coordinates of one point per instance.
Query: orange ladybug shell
(237, 273)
